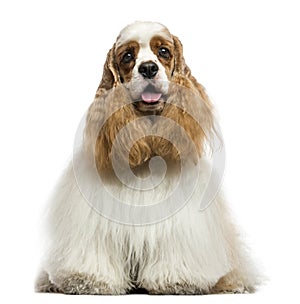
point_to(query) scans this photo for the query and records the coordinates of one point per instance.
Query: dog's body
(184, 252)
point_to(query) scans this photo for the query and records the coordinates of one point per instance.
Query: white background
(246, 53)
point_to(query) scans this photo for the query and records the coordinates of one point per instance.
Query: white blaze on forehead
(142, 32)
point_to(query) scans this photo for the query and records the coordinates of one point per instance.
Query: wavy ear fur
(182, 75)
(180, 66)
(182, 70)
(110, 76)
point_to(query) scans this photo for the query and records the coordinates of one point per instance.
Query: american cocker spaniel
(140, 205)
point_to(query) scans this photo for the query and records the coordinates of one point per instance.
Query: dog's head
(145, 58)
(145, 74)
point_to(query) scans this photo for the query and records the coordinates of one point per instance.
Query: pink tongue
(151, 97)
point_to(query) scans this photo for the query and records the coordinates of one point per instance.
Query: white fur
(191, 246)
(143, 32)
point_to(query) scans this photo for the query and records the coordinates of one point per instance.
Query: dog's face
(145, 60)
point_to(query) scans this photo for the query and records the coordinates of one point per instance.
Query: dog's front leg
(83, 256)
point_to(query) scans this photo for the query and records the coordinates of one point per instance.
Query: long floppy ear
(181, 69)
(110, 77)
(180, 66)
(182, 75)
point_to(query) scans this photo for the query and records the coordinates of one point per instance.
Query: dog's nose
(148, 69)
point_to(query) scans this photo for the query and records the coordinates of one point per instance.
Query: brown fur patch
(125, 69)
(101, 132)
(115, 105)
(181, 104)
(187, 105)
(156, 43)
(110, 76)
(182, 72)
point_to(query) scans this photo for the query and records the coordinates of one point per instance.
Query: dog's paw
(78, 284)
(229, 289)
(82, 284)
(43, 284)
(230, 284)
(175, 289)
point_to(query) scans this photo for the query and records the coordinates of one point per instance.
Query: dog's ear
(110, 77)
(180, 66)
(182, 70)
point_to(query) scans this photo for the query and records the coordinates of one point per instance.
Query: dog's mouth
(151, 101)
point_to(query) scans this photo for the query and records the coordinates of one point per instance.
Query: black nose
(148, 69)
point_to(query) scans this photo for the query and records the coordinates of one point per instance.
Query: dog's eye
(127, 57)
(164, 52)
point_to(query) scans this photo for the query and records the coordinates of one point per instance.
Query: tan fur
(110, 76)
(181, 69)
(187, 104)
(231, 283)
(125, 70)
(113, 101)
(104, 139)
(158, 42)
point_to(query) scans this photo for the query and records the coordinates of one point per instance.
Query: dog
(126, 211)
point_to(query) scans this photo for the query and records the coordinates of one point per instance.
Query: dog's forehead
(142, 32)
